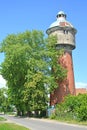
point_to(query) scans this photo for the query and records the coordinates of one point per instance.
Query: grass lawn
(73, 122)
(11, 126)
(2, 119)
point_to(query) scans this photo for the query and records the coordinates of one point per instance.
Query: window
(65, 31)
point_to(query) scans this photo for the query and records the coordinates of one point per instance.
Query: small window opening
(65, 31)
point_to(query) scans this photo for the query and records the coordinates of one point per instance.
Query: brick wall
(81, 91)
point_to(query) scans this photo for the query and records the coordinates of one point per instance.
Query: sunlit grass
(2, 119)
(72, 121)
(11, 126)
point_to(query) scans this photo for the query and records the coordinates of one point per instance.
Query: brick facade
(81, 91)
(67, 86)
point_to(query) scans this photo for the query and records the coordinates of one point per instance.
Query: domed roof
(61, 21)
(61, 12)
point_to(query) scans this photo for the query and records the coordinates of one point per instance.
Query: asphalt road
(43, 124)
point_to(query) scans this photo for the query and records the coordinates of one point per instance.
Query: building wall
(65, 36)
(81, 91)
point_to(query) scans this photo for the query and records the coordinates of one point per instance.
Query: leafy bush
(82, 113)
(73, 108)
(82, 107)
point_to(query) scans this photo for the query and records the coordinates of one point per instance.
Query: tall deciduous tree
(27, 69)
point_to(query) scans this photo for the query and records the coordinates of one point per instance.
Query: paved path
(43, 124)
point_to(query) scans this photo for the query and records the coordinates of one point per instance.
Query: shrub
(73, 108)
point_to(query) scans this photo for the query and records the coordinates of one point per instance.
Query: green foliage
(81, 108)
(4, 102)
(58, 72)
(82, 113)
(31, 69)
(73, 108)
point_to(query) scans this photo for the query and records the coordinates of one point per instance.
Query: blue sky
(20, 15)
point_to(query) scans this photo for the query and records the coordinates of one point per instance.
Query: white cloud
(81, 85)
(2, 82)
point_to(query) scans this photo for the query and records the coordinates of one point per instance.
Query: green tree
(27, 69)
(15, 69)
(57, 72)
(22, 61)
(5, 105)
(2, 98)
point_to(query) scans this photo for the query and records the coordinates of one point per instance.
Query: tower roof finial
(61, 14)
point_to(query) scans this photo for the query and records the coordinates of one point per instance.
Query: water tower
(65, 33)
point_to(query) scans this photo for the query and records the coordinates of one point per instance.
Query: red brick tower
(66, 39)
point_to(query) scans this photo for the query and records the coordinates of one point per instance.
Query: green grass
(2, 119)
(72, 121)
(11, 126)
(77, 122)
(68, 118)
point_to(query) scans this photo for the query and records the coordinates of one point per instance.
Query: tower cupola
(64, 30)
